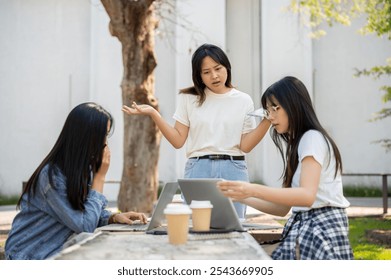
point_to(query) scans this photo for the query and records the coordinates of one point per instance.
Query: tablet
(224, 216)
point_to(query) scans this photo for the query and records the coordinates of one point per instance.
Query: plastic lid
(177, 198)
(177, 209)
(200, 204)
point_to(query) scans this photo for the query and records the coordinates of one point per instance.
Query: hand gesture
(236, 190)
(99, 176)
(105, 162)
(142, 109)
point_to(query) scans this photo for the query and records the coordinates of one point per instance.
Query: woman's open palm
(142, 109)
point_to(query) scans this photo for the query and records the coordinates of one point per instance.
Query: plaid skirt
(317, 234)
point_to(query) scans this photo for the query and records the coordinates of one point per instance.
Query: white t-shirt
(330, 191)
(217, 125)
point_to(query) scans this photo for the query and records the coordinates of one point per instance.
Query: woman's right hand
(176, 135)
(100, 175)
(142, 109)
(129, 218)
(236, 190)
(105, 161)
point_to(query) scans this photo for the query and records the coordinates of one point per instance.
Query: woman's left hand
(129, 218)
(236, 190)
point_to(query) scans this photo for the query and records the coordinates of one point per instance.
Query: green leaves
(316, 12)
(379, 18)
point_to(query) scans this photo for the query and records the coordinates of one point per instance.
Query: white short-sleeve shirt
(217, 125)
(330, 190)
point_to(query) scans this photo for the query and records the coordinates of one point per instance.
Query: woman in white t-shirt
(212, 117)
(312, 186)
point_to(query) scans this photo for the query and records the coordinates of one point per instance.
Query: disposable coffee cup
(177, 199)
(177, 216)
(201, 213)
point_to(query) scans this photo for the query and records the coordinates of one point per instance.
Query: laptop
(158, 217)
(224, 216)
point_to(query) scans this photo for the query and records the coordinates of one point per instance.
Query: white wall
(44, 70)
(345, 103)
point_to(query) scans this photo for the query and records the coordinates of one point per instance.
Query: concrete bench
(384, 185)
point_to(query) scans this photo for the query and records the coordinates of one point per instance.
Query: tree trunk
(133, 23)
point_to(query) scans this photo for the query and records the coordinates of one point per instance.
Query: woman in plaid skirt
(312, 185)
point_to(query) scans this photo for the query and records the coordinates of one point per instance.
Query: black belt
(224, 157)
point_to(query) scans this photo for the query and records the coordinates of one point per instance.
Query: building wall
(346, 103)
(44, 72)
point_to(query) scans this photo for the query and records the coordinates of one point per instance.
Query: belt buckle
(213, 157)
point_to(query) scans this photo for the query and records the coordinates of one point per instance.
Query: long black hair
(217, 55)
(293, 96)
(77, 152)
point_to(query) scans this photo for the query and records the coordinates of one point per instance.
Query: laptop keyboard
(124, 227)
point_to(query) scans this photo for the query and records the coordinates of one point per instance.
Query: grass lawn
(363, 247)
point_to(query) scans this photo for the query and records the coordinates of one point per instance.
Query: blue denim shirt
(44, 224)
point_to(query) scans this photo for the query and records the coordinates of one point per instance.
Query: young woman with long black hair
(312, 185)
(64, 196)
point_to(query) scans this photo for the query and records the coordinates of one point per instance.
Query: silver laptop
(158, 217)
(224, 216)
